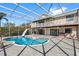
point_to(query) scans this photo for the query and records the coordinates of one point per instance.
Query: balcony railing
(53, 23)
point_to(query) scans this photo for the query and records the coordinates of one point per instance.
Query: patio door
(41, 31)
(54, 32)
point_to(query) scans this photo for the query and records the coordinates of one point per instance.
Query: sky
(19, 15)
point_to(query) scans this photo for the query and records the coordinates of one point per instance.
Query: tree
(10, 28)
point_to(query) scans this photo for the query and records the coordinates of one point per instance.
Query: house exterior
(62, 24)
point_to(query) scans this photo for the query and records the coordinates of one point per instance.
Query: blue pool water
(26, 41)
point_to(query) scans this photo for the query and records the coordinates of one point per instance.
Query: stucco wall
(74, 30)
(47, 31)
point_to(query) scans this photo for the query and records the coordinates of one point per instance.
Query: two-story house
(65, 23)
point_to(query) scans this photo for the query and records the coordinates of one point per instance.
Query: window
(69, 17)
(41, 21)
(68, 30)
(49, 19)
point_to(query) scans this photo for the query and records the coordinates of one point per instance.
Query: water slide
(23, 34)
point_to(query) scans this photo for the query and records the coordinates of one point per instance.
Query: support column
(78, 23)
(0, 32)
(9, 28)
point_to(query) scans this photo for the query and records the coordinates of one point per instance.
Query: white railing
(53, 23)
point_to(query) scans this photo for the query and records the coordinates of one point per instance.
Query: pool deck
(56, 46)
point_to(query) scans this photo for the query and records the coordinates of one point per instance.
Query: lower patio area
(56, 46)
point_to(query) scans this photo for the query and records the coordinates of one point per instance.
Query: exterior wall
(74, 30)
(34, 31)
(47, 31)
(76, 18)
(59, 21)
(78, 25)
(78, 31)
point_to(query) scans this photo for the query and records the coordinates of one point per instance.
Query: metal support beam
(16, 11)
(42, 7)
(8, 25)
(27, 9)
(50, 7)
(60, 7)
(74, 47)
(3, 47)
(13, 10)
(14, 15)
(43, 50)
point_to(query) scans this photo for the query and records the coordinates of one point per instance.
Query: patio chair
(2, 45)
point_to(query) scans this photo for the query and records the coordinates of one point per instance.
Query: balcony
(54, 23)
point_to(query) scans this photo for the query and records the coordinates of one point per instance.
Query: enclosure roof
(20, 13)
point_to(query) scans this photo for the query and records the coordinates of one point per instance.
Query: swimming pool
(26, 41)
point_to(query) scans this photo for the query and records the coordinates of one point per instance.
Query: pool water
(26, 41)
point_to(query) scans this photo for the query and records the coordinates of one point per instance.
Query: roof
(66, 13)
(59, 15)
